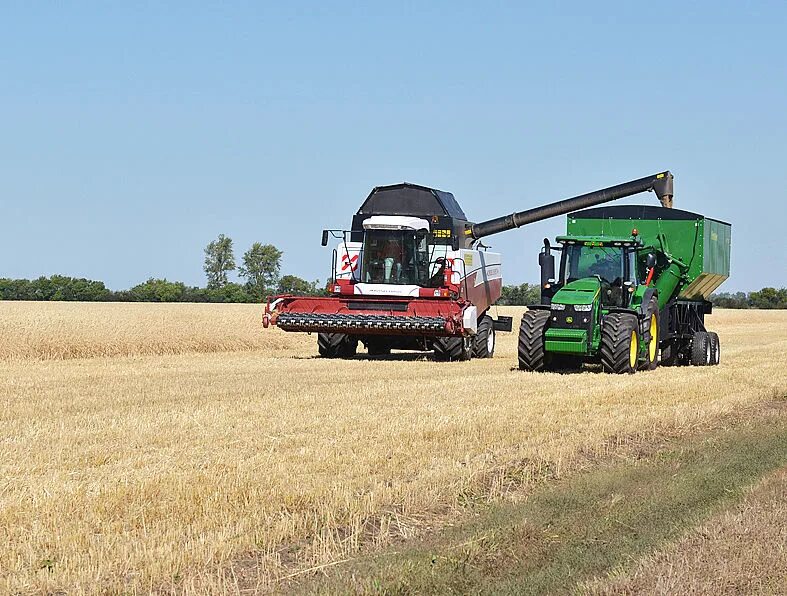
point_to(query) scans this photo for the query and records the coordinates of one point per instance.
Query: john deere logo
(569, 319)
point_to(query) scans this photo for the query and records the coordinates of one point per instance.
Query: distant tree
(219, 260)
(292, 284)
(158, 290)
(261, 266)
(728, 300)
(769, 298)
(521, 295)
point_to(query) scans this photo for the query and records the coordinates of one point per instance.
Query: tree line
(259, 271)
(766, 298)
(260, 268)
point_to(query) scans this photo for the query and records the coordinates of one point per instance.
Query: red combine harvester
(411, 274)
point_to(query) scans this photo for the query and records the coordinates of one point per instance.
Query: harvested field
(182, 447)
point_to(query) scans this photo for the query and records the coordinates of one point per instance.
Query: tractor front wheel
(619, 343)
(336, 345)
(532, 356)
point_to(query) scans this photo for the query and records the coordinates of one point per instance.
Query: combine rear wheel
(336, 345)
(715, 348)
(449, 349)
(651, 335)
(484, 345)
(701, 349)
(619, 343)
(531, 340)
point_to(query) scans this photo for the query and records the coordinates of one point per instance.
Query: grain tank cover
(701, 243)
(411, 199)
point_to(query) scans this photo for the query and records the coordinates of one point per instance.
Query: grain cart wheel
(619, 343)
(336, 345)
(715, 348)
(484, 344)
(449, 349)
(700, 349)
(531, 340)
(651, 335)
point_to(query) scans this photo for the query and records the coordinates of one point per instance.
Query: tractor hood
(580, 291)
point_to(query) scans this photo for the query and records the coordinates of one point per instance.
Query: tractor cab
(591, 266)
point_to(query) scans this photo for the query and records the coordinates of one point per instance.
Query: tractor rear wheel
(484, 344)
(532, 356)
(651, 335)
(619, 343)
(701, 349)
(336, 345)
(450, 349)
(715, 348)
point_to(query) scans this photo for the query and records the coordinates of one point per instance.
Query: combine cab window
(604, 262)
(395, 257)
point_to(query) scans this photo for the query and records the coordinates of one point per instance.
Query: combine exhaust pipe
(660, 183)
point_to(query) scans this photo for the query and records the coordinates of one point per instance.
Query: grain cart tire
(450, 349)
(715, 348)
(336, 345)
(532, 356)
(700, 349)
(378, 348)
(619, 343)
(484, 344)
(651, 335)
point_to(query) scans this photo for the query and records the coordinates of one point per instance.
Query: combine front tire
(619, 343)
(449, 349)
(701, 349)
(336, 345)
(531, 340)
(484, 345)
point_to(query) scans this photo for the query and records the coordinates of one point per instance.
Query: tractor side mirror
(454, 242)
(650, 261)
(546, 261)
(324, 238)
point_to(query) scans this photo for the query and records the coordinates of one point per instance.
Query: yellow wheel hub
(653, 346)
(633, 350)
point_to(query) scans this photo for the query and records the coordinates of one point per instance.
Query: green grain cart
(631, 291)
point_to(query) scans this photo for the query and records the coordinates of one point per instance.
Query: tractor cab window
(604, 262)
(395, 257)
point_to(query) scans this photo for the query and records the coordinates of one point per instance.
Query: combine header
(411, 274)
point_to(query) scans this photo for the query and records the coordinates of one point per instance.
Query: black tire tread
(699, 347)
(485, 327)
(336, 345)
(616, 331)
(531, 352)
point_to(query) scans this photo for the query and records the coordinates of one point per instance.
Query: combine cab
(405, 276)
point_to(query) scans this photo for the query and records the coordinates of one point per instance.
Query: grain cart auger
(409, 274)
(631, 291)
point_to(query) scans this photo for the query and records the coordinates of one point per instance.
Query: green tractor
(631, 291)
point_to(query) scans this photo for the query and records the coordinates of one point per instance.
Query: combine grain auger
(410, 274)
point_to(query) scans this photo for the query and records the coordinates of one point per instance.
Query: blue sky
(131, 134)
